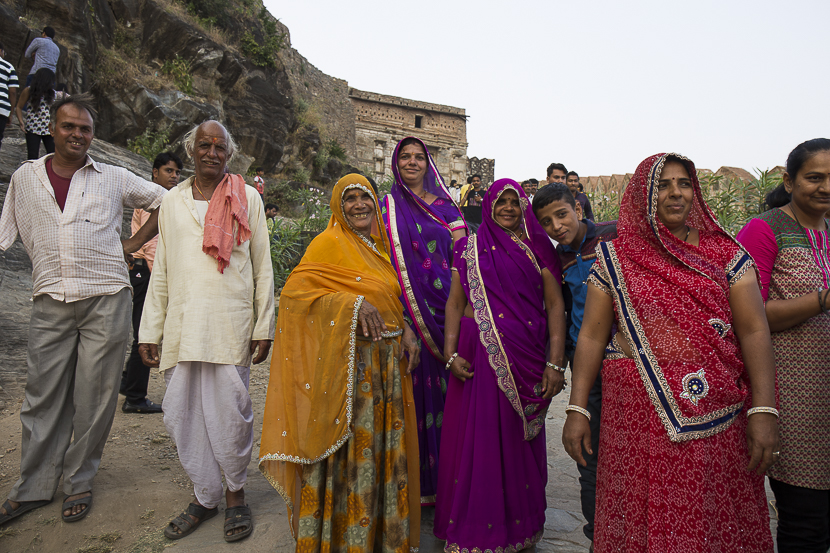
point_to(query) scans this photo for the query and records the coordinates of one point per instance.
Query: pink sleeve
(759, 241)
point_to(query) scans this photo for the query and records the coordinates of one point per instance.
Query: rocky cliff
(161, 66)
(156, 68)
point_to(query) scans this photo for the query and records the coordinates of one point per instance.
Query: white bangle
(578, 409)
(770, 410)
(556, 367)
(452, 358)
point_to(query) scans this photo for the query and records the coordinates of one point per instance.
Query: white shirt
(76, 254)
(198, 312)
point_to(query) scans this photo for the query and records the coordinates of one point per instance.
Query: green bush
(150, 143)
(179, 69)
(335, 150)
(211, 13)
(286, 249)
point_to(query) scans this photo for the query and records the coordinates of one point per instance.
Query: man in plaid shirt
(67, 209)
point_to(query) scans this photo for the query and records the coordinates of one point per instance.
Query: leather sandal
(188, 521)
(86, 501)
(22, 507)
(238, 517)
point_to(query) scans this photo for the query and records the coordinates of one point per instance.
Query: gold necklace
(200, 191)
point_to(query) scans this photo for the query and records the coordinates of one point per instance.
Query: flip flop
(85, 501)
(238, 517)
(186, 524)
(22, 507)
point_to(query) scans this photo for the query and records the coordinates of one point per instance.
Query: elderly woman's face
(508, 211)
(359, 210)
(674, 195)
(412, 164)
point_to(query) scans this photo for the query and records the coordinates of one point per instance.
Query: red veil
(672, 303)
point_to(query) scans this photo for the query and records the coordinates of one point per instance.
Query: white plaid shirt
(76, 254)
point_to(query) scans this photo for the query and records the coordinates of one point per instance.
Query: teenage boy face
(560, 221)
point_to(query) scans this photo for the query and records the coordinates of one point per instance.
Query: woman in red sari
(688, 421)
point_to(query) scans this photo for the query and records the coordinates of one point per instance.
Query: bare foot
(235, 499)
(77, 509)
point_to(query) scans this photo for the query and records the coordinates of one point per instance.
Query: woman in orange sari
(339, 427)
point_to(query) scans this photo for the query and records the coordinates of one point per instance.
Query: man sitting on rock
(211, 299)
(68, 209)
(136, 376)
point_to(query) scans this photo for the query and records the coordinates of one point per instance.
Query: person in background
(530, 187)
(211, 301)
(557, 173)
(67, 209)
(44, 52)
(688, 420)
(454, 191)
(8, 91)
(135, 378)
(259, 183)
(790, 244)
(474, 194)
(271, 211)
(561, 217)
(39, 96)
(576, 190)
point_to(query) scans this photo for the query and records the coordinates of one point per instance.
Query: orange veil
(308, 410)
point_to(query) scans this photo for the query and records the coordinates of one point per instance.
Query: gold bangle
(555, 367)
(770, 410)
(578, 409)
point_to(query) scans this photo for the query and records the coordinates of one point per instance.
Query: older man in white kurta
(212, 312)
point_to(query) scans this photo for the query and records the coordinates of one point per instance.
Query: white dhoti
(208, 414)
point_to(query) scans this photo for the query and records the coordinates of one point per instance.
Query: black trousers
(4, 120)
(136, 375)
(588, 474)
(803, 518)
(33, 144)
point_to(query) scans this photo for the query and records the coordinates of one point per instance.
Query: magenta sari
(493, 472)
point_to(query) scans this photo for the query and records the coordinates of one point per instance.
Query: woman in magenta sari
(505, 307)
(422, 221)
(688, 418)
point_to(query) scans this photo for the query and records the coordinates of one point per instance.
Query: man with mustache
(211, 300)
(67, 209)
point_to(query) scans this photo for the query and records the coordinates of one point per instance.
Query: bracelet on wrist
(822, 301)
(555, 367)
(452, 358)
(578, 409)
(770, 410)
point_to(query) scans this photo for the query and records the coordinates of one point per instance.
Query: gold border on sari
(645, 354)
(403, 277)
(492, 342)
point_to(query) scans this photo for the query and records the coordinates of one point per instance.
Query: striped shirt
(8, 79)
(76, 254)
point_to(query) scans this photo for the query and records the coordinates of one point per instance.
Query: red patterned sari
(672, 462)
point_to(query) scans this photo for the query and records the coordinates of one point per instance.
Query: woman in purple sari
(505, 306)
(423, 221)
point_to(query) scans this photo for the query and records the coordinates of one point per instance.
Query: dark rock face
(255, 103)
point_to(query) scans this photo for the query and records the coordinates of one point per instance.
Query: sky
(596, 85)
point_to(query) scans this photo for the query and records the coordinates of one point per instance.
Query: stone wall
(328, 97)
(381, 121)
(484, 167)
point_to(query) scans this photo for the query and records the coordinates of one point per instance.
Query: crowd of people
(415, 355)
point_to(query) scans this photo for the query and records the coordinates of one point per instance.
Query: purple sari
(421, 238)
(491, 487)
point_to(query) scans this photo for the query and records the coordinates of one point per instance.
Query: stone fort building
(369, 125)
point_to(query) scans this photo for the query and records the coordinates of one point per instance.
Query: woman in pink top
(790, 245)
